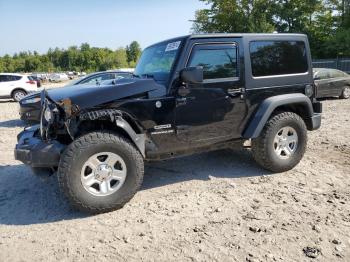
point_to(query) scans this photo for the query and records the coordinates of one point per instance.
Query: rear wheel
(100, 172)
(18, 95)
(282, 143)
(345, 93)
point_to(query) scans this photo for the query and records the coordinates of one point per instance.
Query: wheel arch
(112, 120)
(296, 103)
(347, 85)
(18, 89)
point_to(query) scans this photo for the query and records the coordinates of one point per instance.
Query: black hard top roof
(243, 35)
(230, 35)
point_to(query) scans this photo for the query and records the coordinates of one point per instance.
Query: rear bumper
(32, 151)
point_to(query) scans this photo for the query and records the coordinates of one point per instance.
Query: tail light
(309, 90)
(32, 82)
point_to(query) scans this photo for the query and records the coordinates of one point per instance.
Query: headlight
(31, 100)
(48, 114)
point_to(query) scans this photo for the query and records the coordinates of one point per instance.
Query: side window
(106, 77)
(272, 58)
(2, 78)
(7, 78)
(336, 74)
(323, 74)
(123, 75)
(218, 61)
(98, 79)
(14, 78)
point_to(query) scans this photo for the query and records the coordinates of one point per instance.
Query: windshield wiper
(136, 76)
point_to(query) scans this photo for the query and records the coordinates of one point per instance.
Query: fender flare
(116, 116)
(138, 139)
(258, 121)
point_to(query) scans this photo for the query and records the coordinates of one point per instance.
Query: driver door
(212, 110)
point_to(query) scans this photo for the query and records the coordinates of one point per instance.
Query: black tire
(18, 94)
(263, 147)
(79, 151)
(345, 94)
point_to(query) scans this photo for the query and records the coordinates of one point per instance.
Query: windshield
(157, 61)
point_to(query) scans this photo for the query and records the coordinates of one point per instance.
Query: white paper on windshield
(172, 46)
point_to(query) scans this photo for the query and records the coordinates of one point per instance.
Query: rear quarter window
(336, 74)
(273, 58)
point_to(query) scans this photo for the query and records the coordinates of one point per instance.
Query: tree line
(326, 22)
(81, 59)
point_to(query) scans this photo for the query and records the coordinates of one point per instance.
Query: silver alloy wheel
(103, 174)
(346, 92)
(19, 95)
(286, 142)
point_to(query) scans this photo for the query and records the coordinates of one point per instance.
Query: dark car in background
(99, 77)
(332, 82)
(30, 105)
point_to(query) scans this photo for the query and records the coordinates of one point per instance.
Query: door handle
(181, 99)
(184, 99)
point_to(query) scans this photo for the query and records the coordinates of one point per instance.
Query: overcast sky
(41, 24)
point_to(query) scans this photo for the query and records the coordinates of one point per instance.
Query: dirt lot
(217, 206)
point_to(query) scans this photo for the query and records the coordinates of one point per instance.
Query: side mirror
(192, 75)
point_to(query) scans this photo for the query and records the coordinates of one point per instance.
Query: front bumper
(32, 151)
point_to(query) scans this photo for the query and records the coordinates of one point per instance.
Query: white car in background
(58, 77)
(16, 86)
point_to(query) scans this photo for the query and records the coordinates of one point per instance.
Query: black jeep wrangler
(189, 94)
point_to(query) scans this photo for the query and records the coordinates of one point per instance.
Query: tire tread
(260, 145)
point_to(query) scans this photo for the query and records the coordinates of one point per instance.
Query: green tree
(133, 52)
(319, 19)
(243, 16)
(120, 58)
(339, 44)
(83, 58)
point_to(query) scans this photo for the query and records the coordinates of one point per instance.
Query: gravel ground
(217, 206)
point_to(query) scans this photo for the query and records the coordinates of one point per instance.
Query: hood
(86, 96)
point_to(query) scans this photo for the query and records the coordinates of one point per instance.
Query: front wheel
(282, 143)
(100, 172)
(345, 93)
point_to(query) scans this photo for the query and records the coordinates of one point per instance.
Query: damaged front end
(60, 123)
(36, 145)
